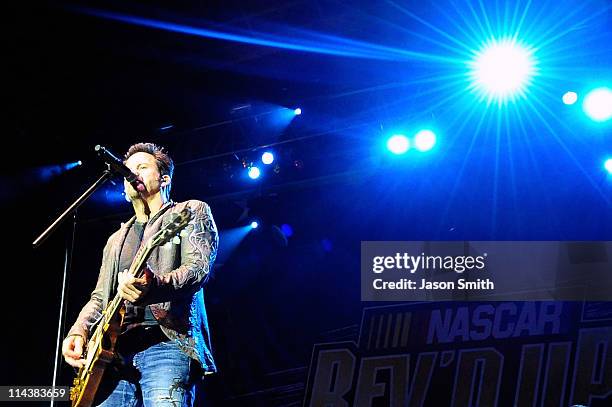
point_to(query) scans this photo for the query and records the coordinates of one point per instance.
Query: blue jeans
(160, 375)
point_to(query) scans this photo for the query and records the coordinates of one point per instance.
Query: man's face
(145, 167)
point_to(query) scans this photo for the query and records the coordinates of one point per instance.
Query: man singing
(164, 345)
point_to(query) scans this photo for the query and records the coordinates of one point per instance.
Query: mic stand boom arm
(106, 175)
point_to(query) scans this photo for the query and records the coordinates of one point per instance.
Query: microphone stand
(106, 175)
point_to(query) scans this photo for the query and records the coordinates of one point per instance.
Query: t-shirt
(134, 315)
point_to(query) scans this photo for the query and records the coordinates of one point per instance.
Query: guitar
(100, 350)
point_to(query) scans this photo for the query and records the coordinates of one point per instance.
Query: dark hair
(165, 165)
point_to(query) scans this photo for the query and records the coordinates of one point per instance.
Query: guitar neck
(136, 270)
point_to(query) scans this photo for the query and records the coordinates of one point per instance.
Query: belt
(140, 338)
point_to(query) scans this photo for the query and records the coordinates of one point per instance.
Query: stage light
(398, 144)
(50, 171)
(424, 140)
(502, 70)
(254, 225)
(570, 98)
(70, 166)
(287, 230)
(598, 104)
(297, 111)
(608, 165)
(267, 158)
(254, 172)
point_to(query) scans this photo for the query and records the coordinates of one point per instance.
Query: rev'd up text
(458, 354)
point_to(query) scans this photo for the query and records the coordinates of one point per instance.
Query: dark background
(76, 80)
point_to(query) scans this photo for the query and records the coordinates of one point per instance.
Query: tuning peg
(176, 240)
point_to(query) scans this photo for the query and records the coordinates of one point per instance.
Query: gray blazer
(180, 271)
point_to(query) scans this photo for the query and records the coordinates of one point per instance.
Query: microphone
(118, 166)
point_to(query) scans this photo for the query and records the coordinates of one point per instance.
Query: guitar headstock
(178, 223)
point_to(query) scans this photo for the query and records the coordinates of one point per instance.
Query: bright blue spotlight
(398, 144)
(598, 104)
(424, 140)
(502, 70)
(254, 172)
(570, 98)
(50, 171)
(254, 225)
(267, 158)
(608, 165)
(70, 166)
(297, 111)
(287, 230)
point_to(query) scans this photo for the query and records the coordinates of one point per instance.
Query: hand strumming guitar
(72, 350)
(134, 289)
